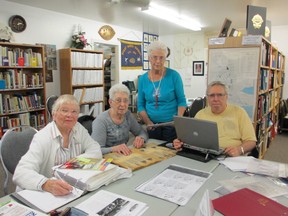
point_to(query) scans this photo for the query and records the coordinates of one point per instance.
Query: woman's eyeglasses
(121, 100)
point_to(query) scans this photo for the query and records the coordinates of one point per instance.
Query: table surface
(126, 187)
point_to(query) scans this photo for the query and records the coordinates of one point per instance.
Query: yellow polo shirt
(234, 125)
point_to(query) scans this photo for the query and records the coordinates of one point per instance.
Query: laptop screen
(201, 135)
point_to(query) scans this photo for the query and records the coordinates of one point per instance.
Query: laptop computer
(199, 136)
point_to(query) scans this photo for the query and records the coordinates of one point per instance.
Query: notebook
(198, 135)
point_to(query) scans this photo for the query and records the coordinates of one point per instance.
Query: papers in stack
(257, 166)
(107, 203)
(88, 177)
(176, 184)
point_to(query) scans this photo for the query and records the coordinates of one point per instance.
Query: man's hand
(177, 144)
(57, 187)
(233, 151)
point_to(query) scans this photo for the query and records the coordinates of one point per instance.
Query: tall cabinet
(22, 86)
(82, 74)
(253, 70)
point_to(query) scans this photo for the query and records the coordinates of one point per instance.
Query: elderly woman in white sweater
(59, 141)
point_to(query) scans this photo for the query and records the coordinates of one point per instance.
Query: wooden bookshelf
(82, 74)
(253, 70)
(22, 86)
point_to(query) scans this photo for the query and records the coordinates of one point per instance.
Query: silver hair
(217, 83)
(157, 45)
(118, 88)
(65, 99)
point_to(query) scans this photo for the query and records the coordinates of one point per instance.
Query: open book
(142, 157)
(93, 176)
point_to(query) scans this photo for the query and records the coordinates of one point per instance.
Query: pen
(133, 207)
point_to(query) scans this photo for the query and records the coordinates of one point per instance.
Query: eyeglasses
(160, 58)
(123, 100)
(219, 95)
(66, 112)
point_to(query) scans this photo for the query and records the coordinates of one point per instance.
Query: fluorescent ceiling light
(171, 16)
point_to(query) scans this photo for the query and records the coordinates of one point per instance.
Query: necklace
(156, 90)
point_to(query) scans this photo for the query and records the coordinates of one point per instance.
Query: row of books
(17, 79)
(19, 57)
(81, 59)
(19, 103)
(92, 110)
(265, 53)
(265, 79)
(86, 77)
(87, 95)
(36, 120)
(264, 104)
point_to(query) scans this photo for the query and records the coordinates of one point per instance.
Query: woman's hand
(57, 187)
(122, 149)
(138, 142)
(177, 144)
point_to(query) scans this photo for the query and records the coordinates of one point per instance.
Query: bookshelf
(253, 70)
(22, 86)
(82, 74)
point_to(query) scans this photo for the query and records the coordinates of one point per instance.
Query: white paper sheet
(176, 184)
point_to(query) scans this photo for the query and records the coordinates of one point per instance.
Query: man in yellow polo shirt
(235, 130)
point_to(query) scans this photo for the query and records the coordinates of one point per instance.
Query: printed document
(176, 184)
(105, 203)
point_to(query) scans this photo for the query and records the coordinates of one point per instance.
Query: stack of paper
(257, 166)
(107, 203)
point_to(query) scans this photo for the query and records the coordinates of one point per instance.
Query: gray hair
(65, 99)
(118, 88)
(217, 83)
(157, 45)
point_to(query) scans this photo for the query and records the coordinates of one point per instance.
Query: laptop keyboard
(194, 154)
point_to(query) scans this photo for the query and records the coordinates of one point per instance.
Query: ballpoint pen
(133, 207)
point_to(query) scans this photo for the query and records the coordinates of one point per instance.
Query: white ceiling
(126, 13)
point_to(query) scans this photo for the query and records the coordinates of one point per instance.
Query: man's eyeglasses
(219, 95)
(119, 100)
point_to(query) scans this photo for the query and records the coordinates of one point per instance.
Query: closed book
(247, 202)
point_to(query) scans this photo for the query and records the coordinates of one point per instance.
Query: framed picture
(198, 68)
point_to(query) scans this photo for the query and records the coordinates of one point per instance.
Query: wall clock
(17, 23)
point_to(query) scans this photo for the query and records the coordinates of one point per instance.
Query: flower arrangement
(79, 41)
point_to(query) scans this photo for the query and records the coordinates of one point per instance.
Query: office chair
(49, 103)
(86, 121)
(198, 104)
(14, 144)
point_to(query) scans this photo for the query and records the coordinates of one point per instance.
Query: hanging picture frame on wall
(198, 68)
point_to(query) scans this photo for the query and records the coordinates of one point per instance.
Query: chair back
(49, 103)
(14, 144)
(197, 104)
(86, 121)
